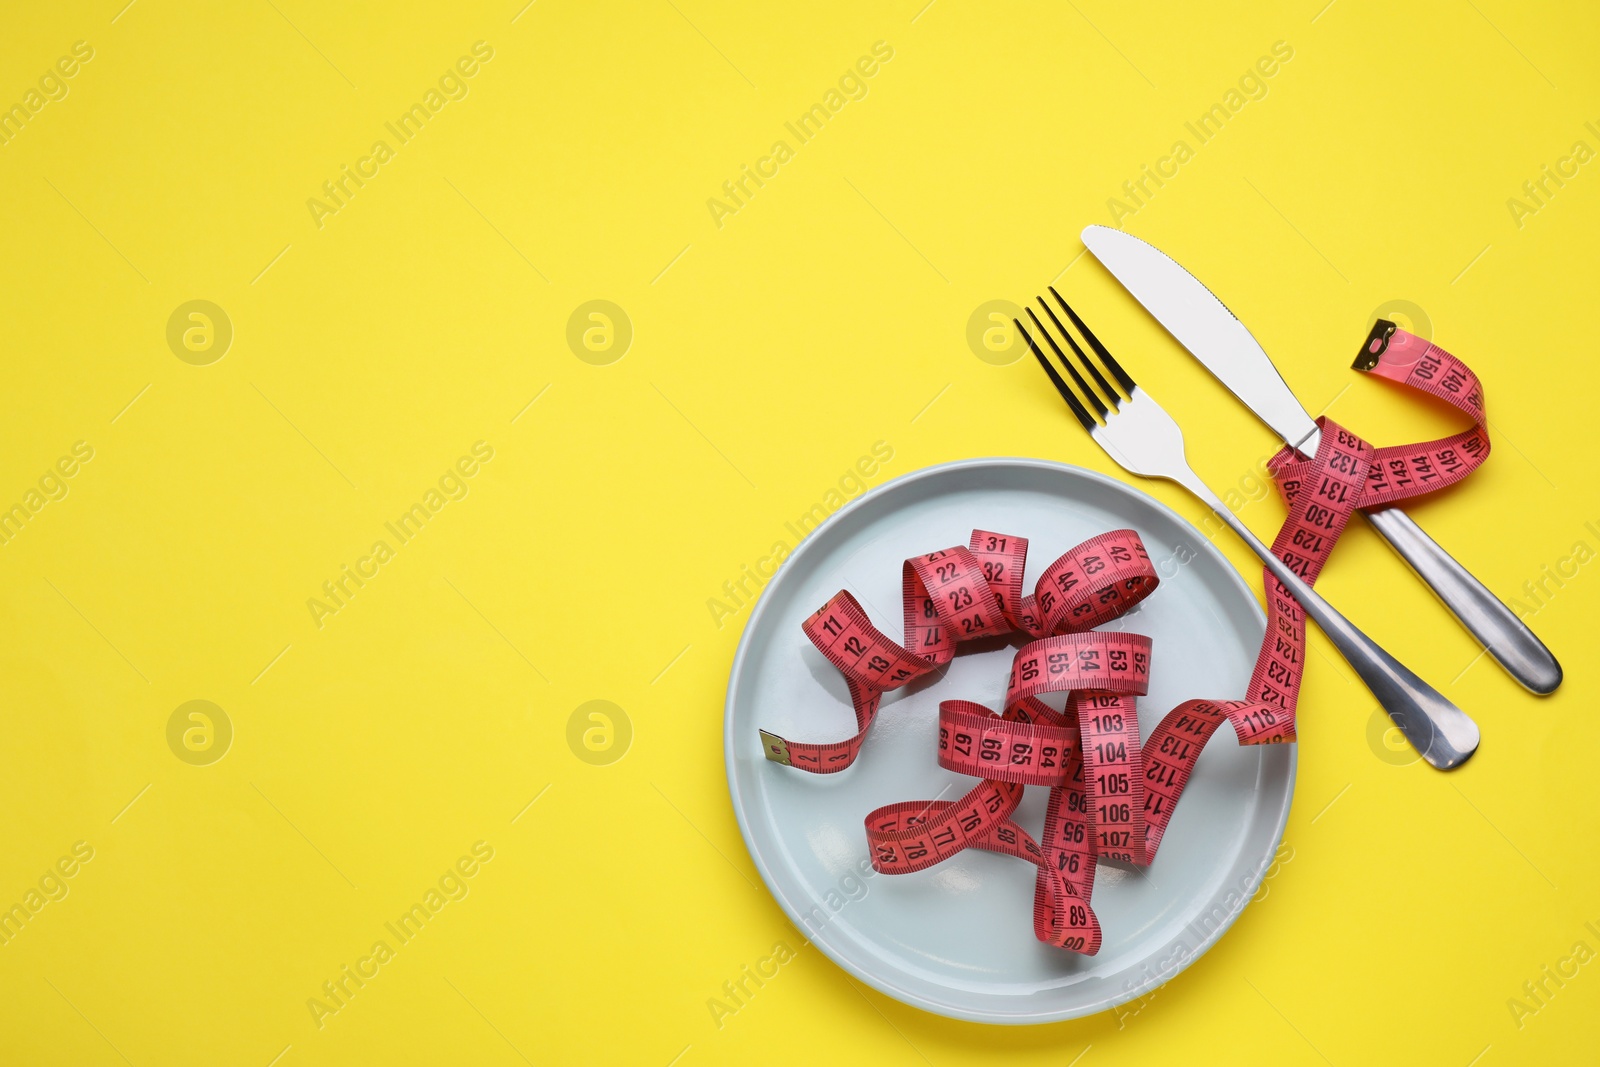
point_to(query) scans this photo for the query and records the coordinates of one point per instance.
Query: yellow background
(828, 313)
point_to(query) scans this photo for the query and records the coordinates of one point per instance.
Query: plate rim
(909, 997)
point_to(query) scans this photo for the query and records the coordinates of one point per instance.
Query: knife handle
(1501, 633)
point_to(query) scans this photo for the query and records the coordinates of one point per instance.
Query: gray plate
(958, 939)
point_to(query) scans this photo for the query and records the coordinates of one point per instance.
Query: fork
(1141, 437)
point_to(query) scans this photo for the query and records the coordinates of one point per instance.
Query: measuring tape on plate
(1112, 794)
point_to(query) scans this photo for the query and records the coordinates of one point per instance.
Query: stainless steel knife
(1204, 325)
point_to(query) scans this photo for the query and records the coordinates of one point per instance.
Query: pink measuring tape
(1111, 793)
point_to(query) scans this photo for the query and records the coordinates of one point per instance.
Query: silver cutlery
(1141, 437)
(1204, 325)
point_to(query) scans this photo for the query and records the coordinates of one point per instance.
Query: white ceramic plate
(958, 939)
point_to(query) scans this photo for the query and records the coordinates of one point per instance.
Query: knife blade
(1203, 324)
(1213, 334)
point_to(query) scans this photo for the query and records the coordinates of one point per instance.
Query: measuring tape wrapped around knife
(1112, 794)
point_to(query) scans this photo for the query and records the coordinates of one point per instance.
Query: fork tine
(1094, 342)
(1093, 397)
(1061, 386)
(1110, 391)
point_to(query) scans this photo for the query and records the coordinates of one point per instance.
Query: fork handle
(1440, 731)
(1501, 633)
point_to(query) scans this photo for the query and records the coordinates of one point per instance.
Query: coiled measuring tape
(1112, 794)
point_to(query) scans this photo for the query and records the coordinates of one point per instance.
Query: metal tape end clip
(776, 748)
(1373, 346)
